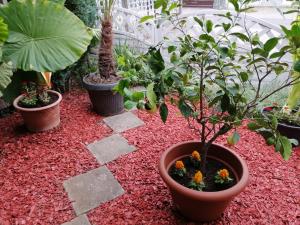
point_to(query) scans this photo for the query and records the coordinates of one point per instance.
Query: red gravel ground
(33, 167)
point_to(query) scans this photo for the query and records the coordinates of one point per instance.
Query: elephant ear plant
(43, 37)
(207, 76)
(5, 68)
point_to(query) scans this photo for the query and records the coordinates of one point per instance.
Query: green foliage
(53, 43)
(34, 95)
(3, 34)
(196, 186)
(86, 10)
(132, 66)
(5, 76)
(195, 64)
(293, 35)
(267, 127)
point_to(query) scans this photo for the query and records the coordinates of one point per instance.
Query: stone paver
(123, 122)
(89, 190)
(110, 148)
(80, 220)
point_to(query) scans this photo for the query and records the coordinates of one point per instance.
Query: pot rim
(15, 103)
(282, 124)
(211, 196)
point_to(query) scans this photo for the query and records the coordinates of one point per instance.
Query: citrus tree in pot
(207, 77)
(100, 86)
(289, 114)
(43, 37)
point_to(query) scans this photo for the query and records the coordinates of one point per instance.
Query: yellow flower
(198, 177)
(196, 155)
(179, 165)
(224, 174)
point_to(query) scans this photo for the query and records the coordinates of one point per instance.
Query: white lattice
(264, 29)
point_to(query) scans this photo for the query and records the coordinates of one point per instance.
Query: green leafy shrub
(214, 61)
(132, 66)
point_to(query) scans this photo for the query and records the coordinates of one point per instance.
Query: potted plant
(43, 37)
(100, 85)
(289, 115)
(207, 77)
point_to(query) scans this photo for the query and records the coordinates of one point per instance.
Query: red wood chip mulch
(33, 167)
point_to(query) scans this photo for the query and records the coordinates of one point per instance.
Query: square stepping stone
(87, 191)
(110, 148)
(80, 220)
(123, 122)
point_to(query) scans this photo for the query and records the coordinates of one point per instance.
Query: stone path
(93, 188)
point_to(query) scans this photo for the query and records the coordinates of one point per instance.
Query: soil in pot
(212, 167)
(97, 79)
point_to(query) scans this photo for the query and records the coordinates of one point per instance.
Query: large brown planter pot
(105, 101)
(203, 206)
(42, 118)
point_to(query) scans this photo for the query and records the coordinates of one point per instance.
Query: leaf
(173, 58)
(5, 76)
(206, 37)
(274, 122)
(185, 109)
(244, 76)
(3, 31)
(163, 112)
(198, 21)
(286, 149)
(233, 139)
(156, 61)
(225, 103)
(137, 96)
(270, 44)
(129, 104)
(151, 96)
(297, 66)
(241, 36)
(146, 18)
(43, 36)
(277, 55)
(294, 142)
(171, 48)
(253, 126)
(209, 26)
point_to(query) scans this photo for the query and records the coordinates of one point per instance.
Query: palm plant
(106, 61)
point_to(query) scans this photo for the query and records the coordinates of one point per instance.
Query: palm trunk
(106, 62)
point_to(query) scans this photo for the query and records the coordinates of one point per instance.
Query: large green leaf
(3, 34)
(5, 76)
(43, 35)
(3, 31)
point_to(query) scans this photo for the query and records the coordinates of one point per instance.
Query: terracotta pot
(290, 131)
(105, 101)
(42, 118)
(203, 206)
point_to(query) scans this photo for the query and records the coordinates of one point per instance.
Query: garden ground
(33, 168)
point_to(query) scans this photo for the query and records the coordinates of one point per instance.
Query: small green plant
(222, 177)
(197, 182)
(34, 95)
(179, 169)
